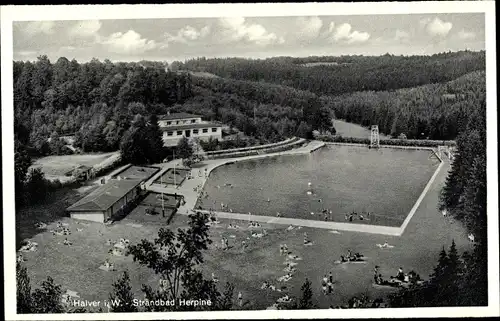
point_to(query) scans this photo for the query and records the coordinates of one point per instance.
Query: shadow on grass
(52, 209)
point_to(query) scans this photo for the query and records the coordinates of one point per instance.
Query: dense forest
(461, 280)
(96, 100)
(434, 111)
(352, 73)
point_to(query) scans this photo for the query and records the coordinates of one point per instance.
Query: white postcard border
(31, 13)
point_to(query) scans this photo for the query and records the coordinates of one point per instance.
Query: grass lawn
(76, 267)
(57, 166)
(53, 209)
(346, 129)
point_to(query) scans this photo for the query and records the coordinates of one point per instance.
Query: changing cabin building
(177, 125)
(112, 198)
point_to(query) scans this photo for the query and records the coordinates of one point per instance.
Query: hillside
(346, 73)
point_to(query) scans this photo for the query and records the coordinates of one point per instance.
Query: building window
(170, 133)
(205, 130)
(193, 121)
(177, 122)
(195, 131)
(214, 130)
(179, 132)
(169, 123)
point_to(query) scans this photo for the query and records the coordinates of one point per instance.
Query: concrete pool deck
(187, 190)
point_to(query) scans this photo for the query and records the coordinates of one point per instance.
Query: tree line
(434, 111)
(96, 100)
(461, 280)
(263, 111)
(353, 73)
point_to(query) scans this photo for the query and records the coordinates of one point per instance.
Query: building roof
(175, 116)
(105, 195)
(189, 126)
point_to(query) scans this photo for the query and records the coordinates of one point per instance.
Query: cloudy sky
(255, 37)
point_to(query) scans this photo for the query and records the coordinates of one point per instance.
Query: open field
(346, 129)
(55, 167)
(76, 266)
(384, 182)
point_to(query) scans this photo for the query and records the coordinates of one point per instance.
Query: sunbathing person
(66, 242)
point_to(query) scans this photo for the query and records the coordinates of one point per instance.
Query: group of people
(29, 247)
(225, 243)
(351, 257)
(327, 284)
(328, 214)
(400, 277)
(254, 224)
(283, 249)
(107, 266)
(258, 235)
(363, 216)
(61, 229)
(307, 241)
(205, 173)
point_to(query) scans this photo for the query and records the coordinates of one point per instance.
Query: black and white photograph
(235, 161)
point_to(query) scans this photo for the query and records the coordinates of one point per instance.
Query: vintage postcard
(231, 161)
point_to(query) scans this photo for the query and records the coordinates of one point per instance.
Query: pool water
(385, 182)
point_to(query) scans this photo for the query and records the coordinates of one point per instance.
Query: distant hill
(340, 75)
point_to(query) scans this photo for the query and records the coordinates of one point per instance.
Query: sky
(252, 37)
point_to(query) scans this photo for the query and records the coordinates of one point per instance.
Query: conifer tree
(24, 303)
(121, 299)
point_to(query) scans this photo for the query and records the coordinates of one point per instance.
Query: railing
(274, 148)
(250, 148)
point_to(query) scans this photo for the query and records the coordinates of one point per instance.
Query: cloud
(466, 35)
(308, 27)
(86, 28)
(401, 36)
(236, 29)
(128, 43)
(27, 53)
(35, 27)
(331, 27)
(343, 33)
(188, 34)
(436, 27)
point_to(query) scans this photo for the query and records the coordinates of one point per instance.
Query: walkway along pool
(384, 182)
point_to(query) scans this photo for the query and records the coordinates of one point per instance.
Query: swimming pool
(385, 182)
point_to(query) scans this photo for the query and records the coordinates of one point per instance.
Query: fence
(271, 148)
(250, 148)
(389, 142)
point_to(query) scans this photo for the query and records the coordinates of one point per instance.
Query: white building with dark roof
(112, 198)
(178, 125)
